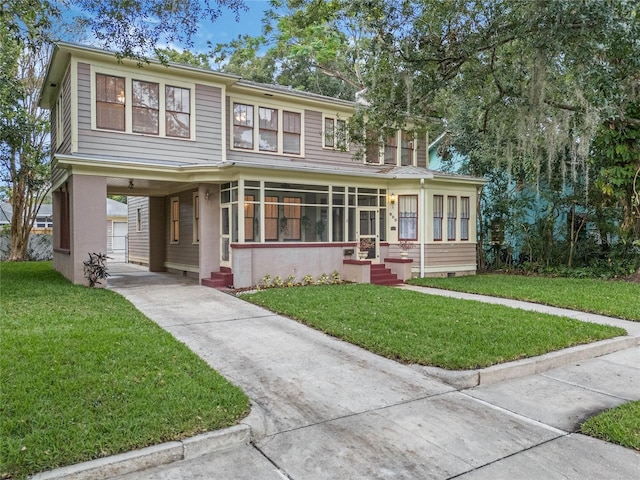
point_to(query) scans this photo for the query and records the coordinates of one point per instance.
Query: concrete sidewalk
(325, 409)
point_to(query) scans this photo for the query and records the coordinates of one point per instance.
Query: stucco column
(209, 252)
(158, 236)
(87, 225)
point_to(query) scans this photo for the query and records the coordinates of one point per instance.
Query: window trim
(195, 228)
(139, 219)
(128, 84)
(174, 215)
(269, 130)
(464, 220)
(439, 217)
(286, 133)
(124, 104)
(60, 117)
(452, 218)
(134, 106)
(256, 105)
(413, 218)
(337, 143)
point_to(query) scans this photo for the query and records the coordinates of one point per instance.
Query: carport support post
(209, 252)
(158, 234)
(87, 222)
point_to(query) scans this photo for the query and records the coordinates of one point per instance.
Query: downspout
(423, 233)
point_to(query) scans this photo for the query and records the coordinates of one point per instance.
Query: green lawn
(619, 425)
(613, 298)
(83, 375)
(428, 330)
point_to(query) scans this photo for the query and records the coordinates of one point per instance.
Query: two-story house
(241, 178)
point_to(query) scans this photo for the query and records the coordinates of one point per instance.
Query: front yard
(613, 298)
(83, 375)
(428, 330)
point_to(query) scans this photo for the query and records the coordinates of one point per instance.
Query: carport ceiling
(143, 187)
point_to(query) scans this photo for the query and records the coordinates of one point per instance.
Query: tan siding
(65, 134)
(450, 254)
(138, 241)
(206, 147)
(313, 132)
(53, 114)
(66, 114)
(185, 252)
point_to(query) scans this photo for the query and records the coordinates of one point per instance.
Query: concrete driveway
(325, 409)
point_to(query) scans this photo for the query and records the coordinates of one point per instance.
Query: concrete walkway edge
(463, 379)
(153, 456)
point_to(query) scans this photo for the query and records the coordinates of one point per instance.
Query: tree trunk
(19, 229)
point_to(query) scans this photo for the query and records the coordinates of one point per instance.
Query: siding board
(185, 252)
(138, 241)
(450, 254)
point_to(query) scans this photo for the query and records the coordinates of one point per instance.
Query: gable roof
(116, 209)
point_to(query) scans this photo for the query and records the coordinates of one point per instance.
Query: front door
(368, 233)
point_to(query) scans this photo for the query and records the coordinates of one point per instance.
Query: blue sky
(223, 30)
(226, 28)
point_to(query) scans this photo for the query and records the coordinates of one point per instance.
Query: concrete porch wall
(251, 263)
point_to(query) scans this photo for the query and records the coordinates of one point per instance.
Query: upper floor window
(141, 106)
(372, 153)
(59, 134)
(243, 126)
(292, 129)
(110, 102)
(146, 107)
(335, 133)
(268, 131)
(178, 111)
(390, 150)
(279, 131)
(406, 149)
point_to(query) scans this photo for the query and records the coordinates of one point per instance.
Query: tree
(24, 152)
(184, 57)
(309, 45)
(136, 28)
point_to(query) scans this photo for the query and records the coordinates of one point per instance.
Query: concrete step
(222, 279)
(381, 275)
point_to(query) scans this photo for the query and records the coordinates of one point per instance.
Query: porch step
(221, 280)
(381, 275)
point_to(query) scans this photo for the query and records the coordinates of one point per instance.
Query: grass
(619, 425)
(83, 375)
(429, 330)
(612, 298)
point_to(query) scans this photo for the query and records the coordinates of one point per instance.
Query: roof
(116, 209)
(63, 51)
(6, 212)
